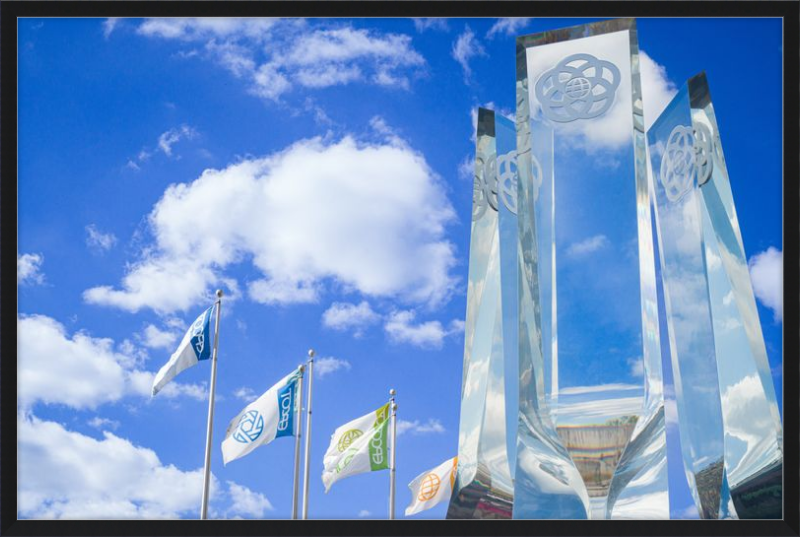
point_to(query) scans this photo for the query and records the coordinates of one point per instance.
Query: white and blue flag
(196, 346)
(269, 417)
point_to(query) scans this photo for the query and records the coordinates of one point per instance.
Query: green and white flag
(359, 446)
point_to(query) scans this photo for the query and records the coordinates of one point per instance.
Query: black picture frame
(12, 10)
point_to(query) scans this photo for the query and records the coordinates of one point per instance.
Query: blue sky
(319, 172)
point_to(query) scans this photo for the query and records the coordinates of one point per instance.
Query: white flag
(271, 416)
(196, 346)
(432, 487)
(359, 446)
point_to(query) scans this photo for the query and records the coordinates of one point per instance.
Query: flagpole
(207, 471)
(308, 432)
(298, 416)
(393, 406)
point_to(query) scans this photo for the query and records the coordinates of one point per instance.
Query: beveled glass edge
(574, 32)
(486, 123)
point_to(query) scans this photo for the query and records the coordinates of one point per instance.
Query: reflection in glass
(483, 486)
(730, 428)
(590, 360)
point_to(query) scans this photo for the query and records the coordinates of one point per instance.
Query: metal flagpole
(393, 406)
(298, 416)
(308, 433)
(207, 472)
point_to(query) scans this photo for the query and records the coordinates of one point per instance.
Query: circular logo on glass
(579, 87)
(249, 428)
(688, 151)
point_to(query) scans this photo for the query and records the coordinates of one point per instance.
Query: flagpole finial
(219, 293)
(392, 392)
(311, 353)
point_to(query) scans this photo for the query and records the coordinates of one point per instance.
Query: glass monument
(487, 432)
(731, 434)
(589, 338)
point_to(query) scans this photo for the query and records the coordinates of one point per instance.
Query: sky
(319, 171)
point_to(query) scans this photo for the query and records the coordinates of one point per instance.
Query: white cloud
(173, 136)
(657, 89)
(274, 55)
(29, 269)
(64, 474)
(103, 423)
(81, 372)
(108, 26)
(507, 26)
(364, 513)
(465, 48)
(587, 246)
(766, 273)
(99, 241)
(584, 390)
(415, 427)
(400, 329)
(156, 338)
(637, 366)
(247, 502)
(466, 168)
(343, 316)
(295, 214)
(422, 24)
(191, 29)
(245, 394)
(326, 366)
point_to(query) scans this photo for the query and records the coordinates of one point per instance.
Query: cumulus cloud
(99, 241)
(587, 246)
(766, 273)
(657, 89)
(294, 214)
(344, 316)
(400, 328)
(64, 474)
(432, 426)
(465, 48)
(29, 269)
(327, 365)
(80, 371)
(507, 26)
(276, 55)
(155, 338)
(247, 502)
(422, 24)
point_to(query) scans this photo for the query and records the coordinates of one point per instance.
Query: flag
(196, 346)
(432, 487)
(359, 446)
(269, 417)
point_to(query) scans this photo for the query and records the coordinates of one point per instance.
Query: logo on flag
(192, 349)
(249, 428)
(285, 399)
(429, 488)
(269, 417)
(432, 487)
(361, 445)
(348, 438)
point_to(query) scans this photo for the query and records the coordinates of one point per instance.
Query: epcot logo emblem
(579, 87)
(688, 152)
